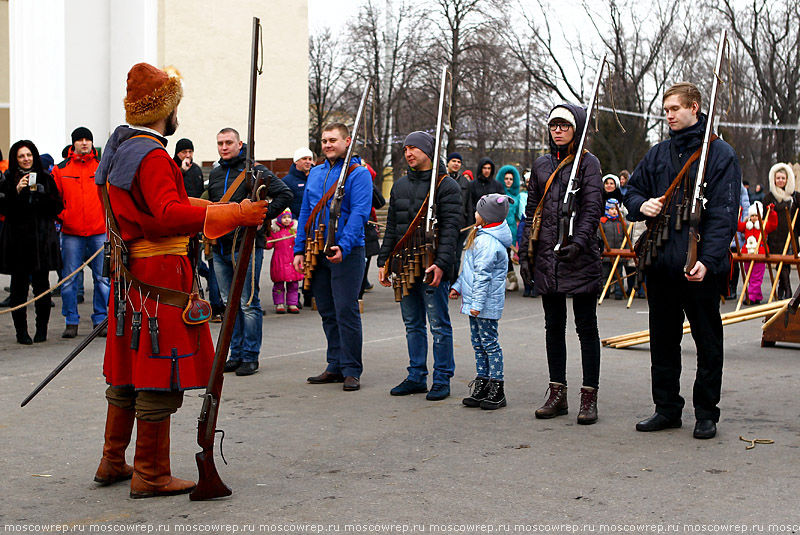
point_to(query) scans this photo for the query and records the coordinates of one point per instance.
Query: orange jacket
(83, 213)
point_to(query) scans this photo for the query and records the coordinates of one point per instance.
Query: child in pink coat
(752, 236)
(280, 267)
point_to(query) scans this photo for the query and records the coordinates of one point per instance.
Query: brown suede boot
(151, 470)
(556, 403)
(119, 426)
(588, 413)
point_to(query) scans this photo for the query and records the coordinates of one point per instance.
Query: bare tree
(646, 50)
(325, 78)
(769, 33)
(383, 48)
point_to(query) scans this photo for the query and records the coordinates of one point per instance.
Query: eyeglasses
(560, 126)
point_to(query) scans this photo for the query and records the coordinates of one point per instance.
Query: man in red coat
(151, 220)
(83, 227)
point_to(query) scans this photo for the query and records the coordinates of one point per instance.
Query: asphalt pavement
(313, 458)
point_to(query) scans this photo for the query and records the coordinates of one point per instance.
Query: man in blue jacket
(336, 280)
(671, 292)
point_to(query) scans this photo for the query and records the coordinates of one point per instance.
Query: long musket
(336, 203)
(431, 233)
(567, 220)
(64, 363)
(698, 198)
(209, 483)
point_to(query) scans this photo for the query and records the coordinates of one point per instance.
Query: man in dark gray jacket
(408, 197)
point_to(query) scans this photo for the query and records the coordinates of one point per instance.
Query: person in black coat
(28, 240)
(575, 267)
(192, 174)
(484, 184)
(408, 196)
(671, 293)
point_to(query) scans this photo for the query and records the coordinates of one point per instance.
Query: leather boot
(480, 389)
(588, 413)
(151, 469)
(496, 397)
(556, 404)
(119, 426)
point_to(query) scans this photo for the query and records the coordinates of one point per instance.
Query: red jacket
(770, 225)
(83, 213)
(157, 206)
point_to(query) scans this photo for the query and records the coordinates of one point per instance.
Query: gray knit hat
(422, 140)
(493, 208)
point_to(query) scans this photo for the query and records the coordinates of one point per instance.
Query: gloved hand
(39, 188)
(568, 253)
(223, 218)
(525, 269)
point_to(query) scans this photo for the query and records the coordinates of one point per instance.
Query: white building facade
(68, 62)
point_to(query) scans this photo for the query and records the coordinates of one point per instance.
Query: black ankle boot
(496, 397)
(480, 389)
(41, 334)
(24, 338)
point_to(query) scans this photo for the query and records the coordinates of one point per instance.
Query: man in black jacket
(408, 196)
(454, 163)
(671, 292)
(246, 341)
(192, 174)
(484, 184)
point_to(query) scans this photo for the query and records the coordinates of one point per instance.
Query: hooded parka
(550, 274)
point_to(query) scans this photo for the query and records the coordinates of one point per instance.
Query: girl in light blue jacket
(481, 286)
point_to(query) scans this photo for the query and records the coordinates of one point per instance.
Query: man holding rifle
(409, 195)
(336, 280)
(151, 221)
(673, 287)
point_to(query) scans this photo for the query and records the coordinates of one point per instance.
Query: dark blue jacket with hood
(658, 169)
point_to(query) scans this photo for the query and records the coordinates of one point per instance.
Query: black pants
(20, 282)
(784, 290)
(584, 308)
(670, 296)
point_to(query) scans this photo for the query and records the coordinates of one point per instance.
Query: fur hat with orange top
(152, 94)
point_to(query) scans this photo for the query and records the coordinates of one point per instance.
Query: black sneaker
(439, 391)
(247, 368)
(231, 365)
(409, 387)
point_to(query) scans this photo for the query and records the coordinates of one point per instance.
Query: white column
(37, 73)
(133, 38)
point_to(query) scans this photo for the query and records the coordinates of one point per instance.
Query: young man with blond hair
(673, 294)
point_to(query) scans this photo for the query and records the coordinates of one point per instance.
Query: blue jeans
(423, 301)
(246, 341)
(488, 353)
(74, 249)
(336, 288)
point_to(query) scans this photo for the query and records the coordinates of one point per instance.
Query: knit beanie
(302, 152)
(82, 133)
(422, 140)
(183, 144)
(612, 203)
(152, 94)
(493, 208)
(454, 156)
(560, 112)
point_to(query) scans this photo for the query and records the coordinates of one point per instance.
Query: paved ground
(305, 457)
